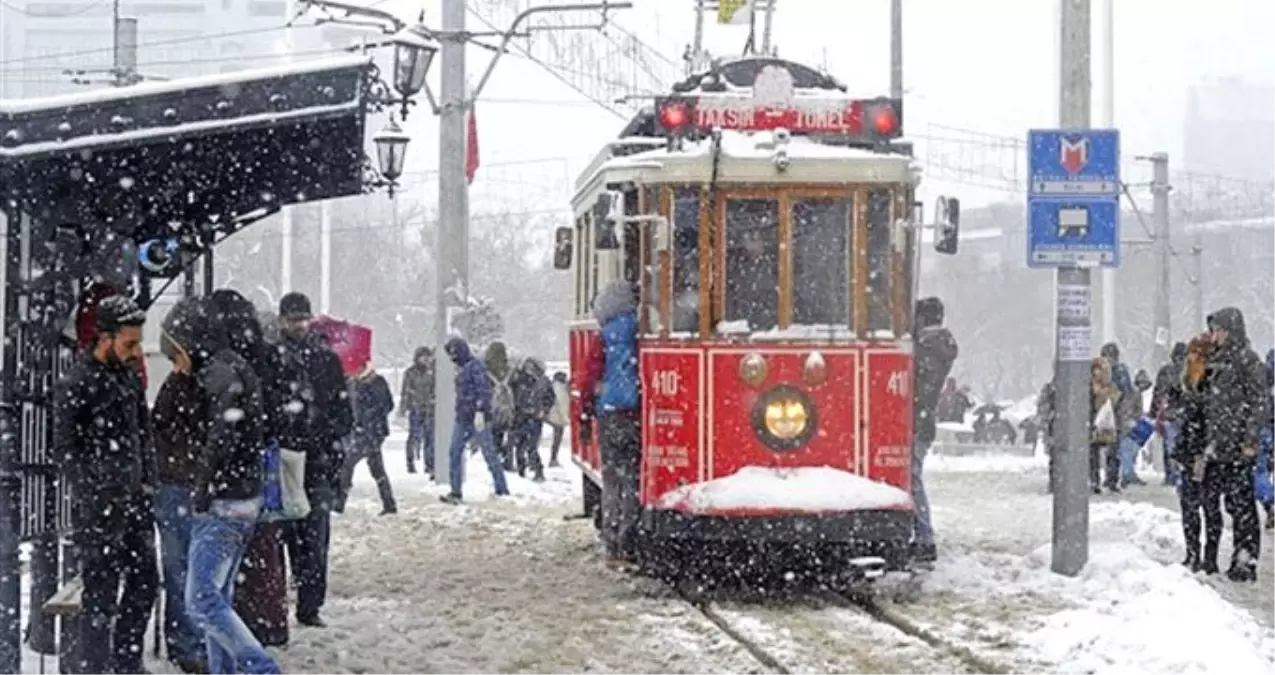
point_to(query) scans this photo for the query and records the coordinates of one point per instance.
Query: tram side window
(686, 260)
(879, 260)
(821, 262)
(752, 262)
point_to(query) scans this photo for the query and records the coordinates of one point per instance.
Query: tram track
(836, 632)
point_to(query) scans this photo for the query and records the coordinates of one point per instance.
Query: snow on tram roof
(747, 157)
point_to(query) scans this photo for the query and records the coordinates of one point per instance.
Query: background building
(1222, 110)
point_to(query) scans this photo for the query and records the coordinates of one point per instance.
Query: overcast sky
(983, 65)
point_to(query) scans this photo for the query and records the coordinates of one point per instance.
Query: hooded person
(533, 401)
(934, 354)
(416, 402)
(1235, 408)
(102, 436)
(1200, 486)
(1128, 409)
(228, 481)
(473, 405)
(1103, 427)
(560, 415)
(618, 409)
(262, 597)
(1166, 405)
(503, 407)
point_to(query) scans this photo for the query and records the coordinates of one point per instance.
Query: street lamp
(414, 52)
(391, 152)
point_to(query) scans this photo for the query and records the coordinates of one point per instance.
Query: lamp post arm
(523, 16)
(356, 10)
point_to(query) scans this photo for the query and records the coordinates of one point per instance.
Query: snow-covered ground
(509, 585)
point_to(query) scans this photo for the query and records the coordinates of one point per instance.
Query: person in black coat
(533, 401)
(103, 438)
(373, 404)
(228, 481)
(935, 353)
(316, 416)
(262, 599)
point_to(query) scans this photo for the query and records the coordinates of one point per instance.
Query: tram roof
(746, 157)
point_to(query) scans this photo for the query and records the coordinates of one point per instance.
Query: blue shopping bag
(272, 488)
(1262, 478)
(1142, 431)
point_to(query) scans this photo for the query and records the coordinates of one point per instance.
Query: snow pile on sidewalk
(805, 489)
(1124, 613)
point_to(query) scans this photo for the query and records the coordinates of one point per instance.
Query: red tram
(767, 220)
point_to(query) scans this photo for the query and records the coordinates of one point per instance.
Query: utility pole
(697, 46)
(1160, 214)
(1108, 121)
(1071, 374)
(285, 225)
(766, 27)
(896, 49)
(451, 273)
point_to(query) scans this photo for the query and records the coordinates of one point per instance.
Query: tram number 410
(667, 383)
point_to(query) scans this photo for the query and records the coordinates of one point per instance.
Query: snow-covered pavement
(508, 585)
(1133, 609)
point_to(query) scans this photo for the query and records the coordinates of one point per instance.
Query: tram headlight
(752, 369)
(786, 418)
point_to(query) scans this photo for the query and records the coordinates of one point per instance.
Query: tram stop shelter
(84, 180)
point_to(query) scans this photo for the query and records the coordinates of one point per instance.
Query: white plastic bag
(292, 476)
(1106, 420)
(1153, 452)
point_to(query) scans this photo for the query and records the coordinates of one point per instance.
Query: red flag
(471, 146)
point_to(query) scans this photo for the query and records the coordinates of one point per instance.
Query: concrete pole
(1160, 215)
(1107, 119)
(325, 257)
(1074, 333)
(697, 47)
(896, 48)
(453, 221)
(767, 27)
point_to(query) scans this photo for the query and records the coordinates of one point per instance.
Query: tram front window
(752, 262)
(821, 262)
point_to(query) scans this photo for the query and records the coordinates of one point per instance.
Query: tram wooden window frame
(783, 196)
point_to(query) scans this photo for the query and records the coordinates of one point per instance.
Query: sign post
(1073, 225)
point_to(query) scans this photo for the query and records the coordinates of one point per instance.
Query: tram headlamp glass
(786, 418)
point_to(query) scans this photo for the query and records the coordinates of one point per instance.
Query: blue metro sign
(1073, 198)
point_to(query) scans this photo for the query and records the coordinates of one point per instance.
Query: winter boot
(539, 477)
(924, 553)
(1209, 564)
(450, 498)
(1192, 560)
(1243, 568)
(1270, 517)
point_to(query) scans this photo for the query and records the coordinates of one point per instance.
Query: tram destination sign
(826, 115)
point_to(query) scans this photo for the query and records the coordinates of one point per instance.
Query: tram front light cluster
(786, 418)
(753, 370)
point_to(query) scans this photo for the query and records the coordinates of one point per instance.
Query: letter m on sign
(1074, 153)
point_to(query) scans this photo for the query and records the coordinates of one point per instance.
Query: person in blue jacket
(618, 417)
(473, 405)
(1265, 489)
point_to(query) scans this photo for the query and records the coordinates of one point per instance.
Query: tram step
(871, 567)
(67, 601)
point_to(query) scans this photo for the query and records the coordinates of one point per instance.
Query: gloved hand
(1250, 451)
(480, 421)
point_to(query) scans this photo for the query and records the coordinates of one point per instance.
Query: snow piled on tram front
(809, 488)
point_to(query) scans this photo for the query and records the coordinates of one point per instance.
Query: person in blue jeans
(178, 421)
(227, 483)
(473, 404)
(1166, 402)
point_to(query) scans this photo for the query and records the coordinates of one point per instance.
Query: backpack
(502, 401)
